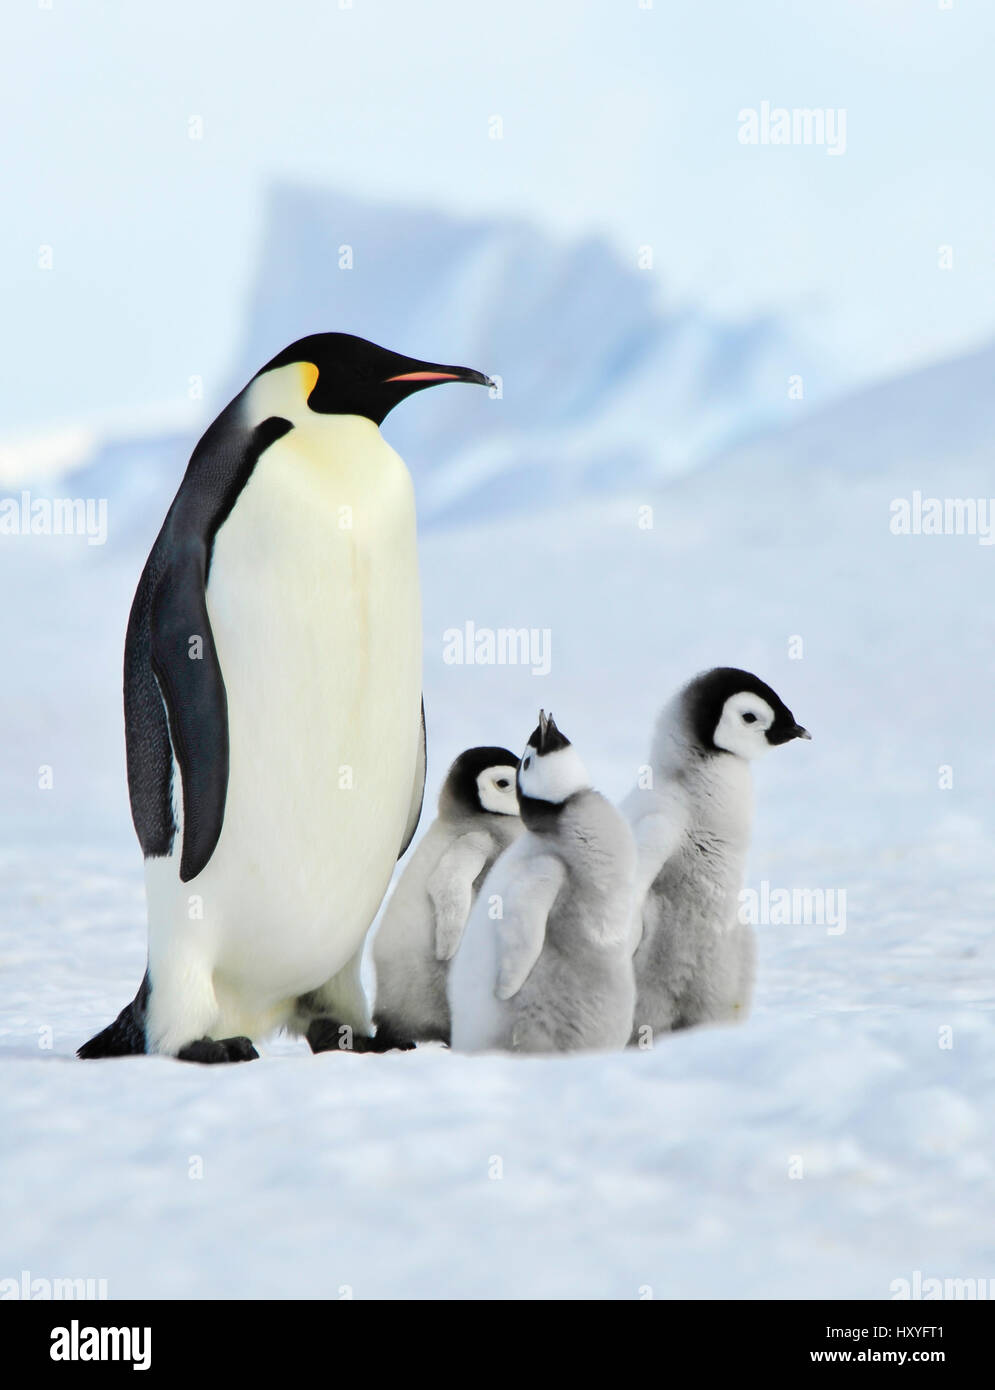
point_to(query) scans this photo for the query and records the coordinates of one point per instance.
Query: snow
(866, 1067)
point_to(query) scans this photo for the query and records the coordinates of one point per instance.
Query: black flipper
(186, 667)
(418, 792)
(165, 664)
(124, 1037)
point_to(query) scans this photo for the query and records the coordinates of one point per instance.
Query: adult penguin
(274, 726)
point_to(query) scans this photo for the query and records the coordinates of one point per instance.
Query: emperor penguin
(423, 922)
(272, 693)
(546, 961)
(694, 958)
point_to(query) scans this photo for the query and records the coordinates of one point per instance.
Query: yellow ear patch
(282, 391)
(309, 377)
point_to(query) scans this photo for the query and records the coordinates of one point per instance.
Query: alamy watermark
(82, 1343)
(470, 645)
(793, 907)
(796, 125)
(25, 515)
(944, 516)
(928, 1287)
(26, 1287)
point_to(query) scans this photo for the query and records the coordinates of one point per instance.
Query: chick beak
(543, 729)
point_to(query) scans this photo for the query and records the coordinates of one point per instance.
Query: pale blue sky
(616, 119)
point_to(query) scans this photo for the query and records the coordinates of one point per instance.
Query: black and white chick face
(496, 789)
(550, 770)
(733, 711)
(482, 779)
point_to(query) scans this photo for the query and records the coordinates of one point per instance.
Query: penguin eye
(527, 762)
(501, 782)
(749, 718)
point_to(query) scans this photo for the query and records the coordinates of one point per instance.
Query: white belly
(314, 605)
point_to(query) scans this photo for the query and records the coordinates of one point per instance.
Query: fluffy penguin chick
(545, 964)
(693, 957)
(424, 919)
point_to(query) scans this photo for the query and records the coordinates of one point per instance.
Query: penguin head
(481, 779)
(733, 711)
(549, 774)
(350, 376)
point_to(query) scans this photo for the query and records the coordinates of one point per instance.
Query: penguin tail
(125, 1037)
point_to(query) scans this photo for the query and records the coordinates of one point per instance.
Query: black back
(126, 1035)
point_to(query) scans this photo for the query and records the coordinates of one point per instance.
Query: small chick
(424, 919)
(545, 964)
(693, 956)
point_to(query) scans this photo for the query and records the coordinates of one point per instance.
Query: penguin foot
(327, 1035)
(221, 1050)
(389, 1039)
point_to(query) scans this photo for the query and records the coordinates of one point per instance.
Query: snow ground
(668, 1170)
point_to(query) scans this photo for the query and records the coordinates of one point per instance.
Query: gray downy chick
(545, 964)
(694, 959)
(424, 919)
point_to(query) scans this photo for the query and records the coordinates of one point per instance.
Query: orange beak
(425, 376)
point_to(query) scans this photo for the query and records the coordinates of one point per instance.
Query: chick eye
(528, 761)
(501, 782)
(749, 718)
